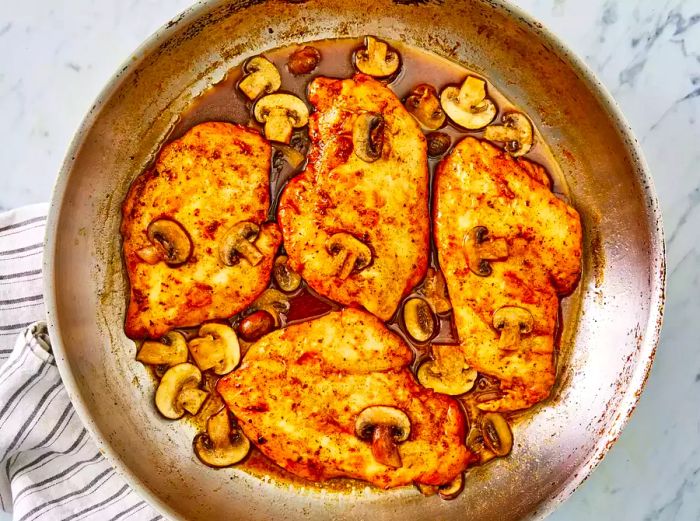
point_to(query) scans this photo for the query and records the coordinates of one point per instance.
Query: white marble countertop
(56, 56)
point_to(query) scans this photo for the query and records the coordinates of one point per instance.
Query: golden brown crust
(384, 203)
(480, 185)
(319, 376)
(216, 175)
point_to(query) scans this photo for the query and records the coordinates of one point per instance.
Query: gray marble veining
(56, 56)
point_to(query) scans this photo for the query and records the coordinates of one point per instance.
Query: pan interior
(610, 327)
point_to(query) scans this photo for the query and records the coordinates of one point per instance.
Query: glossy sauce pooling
(224, 102)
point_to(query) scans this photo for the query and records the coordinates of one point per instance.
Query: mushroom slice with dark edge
(216, 348)
(350, 254)
(304, 60)
(424, 105)
(386, 427)
(287, 279)
(221, 446)
(480, 249)
(262, 77)
(376, 58)
(281, 114)
(169, 350)
(418, 319)
(497, 433)
(171, 239)
(239, 242)
(475, 442)
(512, 322)
(448, 373)
(515, 133)
(468, 105)
(452, 489)
(368, 136)
(178, 391)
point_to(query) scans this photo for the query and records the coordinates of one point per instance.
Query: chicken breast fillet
(478, 185)
(383, 203)
(318, 376)
(215, 176)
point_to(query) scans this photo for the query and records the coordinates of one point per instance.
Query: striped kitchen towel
(49, 467)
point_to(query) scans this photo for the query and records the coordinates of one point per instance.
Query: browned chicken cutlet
(214, 177)
(383, 204)
(318, 376)
(531, 244)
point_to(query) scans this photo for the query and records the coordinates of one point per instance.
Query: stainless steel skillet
(611, 324)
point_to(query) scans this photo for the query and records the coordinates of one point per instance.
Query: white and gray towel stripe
(49, 467)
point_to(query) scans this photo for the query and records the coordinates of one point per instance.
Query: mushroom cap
(219, 347)
(282, 104)
(287, 279)
(452, 489)
(516, 132)
(513, 315)
(221, 446)
(368, 136)
(447, 379)
(175, 379)
(170, 350)
(262, 76)
(418, 319)
(238, 242)
(376, 58)
(497, 434)
(423, 104)
(383, 415)
(480, 249)
(344, 241)
(468, 105)
(172, 239)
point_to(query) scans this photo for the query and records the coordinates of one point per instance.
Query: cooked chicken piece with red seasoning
(355, 222)
(195, 245)
(301, 394)
(508, 247)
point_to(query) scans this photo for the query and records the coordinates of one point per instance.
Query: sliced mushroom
(216, 348)
(452, 489)
(448, 373)
(350, 254)
(377, 59)
(427, 490)
(418, 319)
(239, 242)
(179, 388)
(262, 77)
(287, 279)
(256, 325)
(304, 60)
(497, 433)
(169, 350)
(171, 239)
(438, 143)
(424, 105)
(480, 249)
(281, 114)
(386, 427)
(512, 322)
(368, 136)
(435, 291)
(515, 133)
(468, 105)
(221, 446)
